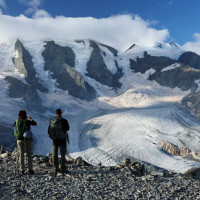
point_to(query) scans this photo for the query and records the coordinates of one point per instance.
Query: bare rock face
(18, 89)
(24, 64)
(192, 101)
(97, 69)
(55, 56)
(190, 58)
(147, 62)
(178, 151)
(196, 155)
(7, 137)
(174, 150)
(184, 152)
(183, 77)
(60, 61)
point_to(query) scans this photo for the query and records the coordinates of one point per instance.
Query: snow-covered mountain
(118, 104)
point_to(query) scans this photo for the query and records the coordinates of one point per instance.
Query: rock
(150, 62)
(98, 70)
(196, 155)
(174, 150)
(157, 173)
(194, 172)
(60, 61)
(4, 155)
(24, 64)
(126, 162)
(86, 182)
(190, 58)
(183, 77)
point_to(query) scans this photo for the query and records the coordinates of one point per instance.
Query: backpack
(55, 130)
(20, 128)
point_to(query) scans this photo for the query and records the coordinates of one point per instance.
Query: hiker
(24, 139)
(57, 131)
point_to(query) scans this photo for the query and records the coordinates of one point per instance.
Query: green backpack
(20, 128)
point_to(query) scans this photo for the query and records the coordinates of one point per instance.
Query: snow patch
(108, 58)
(171, 67)
(198, 83)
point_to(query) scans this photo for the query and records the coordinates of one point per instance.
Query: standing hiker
(57, 131)
(24, 139)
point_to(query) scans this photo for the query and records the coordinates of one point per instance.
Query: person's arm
(65, 126)
(31, 121)
(14, 124)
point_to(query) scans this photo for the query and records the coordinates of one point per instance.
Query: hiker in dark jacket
(57, 131)
(24, 143)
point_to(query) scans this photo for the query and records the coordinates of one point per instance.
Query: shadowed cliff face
(18, 89)
(60, 62)
(190, 58)
(183, 77)
(150, 62)
(7, 137)
(55, 56)
(98, 70)
(192, 101)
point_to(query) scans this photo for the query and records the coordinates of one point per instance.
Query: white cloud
(2, 3)
(118, 31)
(34, 3)
(193, 46)
(33, 8)
(41, 13)
(31, 3)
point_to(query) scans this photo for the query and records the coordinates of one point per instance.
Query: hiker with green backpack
(57, 131)
(23, 135)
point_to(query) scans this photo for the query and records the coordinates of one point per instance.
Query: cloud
(41, 13)
(2, 3)
(31, 3)
(33, 8)
(119, 31)
(193, 46)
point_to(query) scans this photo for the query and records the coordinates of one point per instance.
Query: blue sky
(179, 17)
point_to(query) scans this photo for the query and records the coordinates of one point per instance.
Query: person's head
(59, 112)
(22, 114)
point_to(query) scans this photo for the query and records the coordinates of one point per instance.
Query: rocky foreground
(130, 180)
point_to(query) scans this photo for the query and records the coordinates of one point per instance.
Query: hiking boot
(31, 172)
(22, 172)
(64, 172)
(56, 171)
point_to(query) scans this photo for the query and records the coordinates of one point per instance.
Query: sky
(119, 23)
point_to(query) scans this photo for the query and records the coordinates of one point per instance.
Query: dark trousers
(63, 150)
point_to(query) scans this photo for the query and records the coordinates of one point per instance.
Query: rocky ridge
(60, 62)
(128, 180)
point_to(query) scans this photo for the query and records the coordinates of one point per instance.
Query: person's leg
(63, 161)
(20, 144)
(55, 156)
(28, 145)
